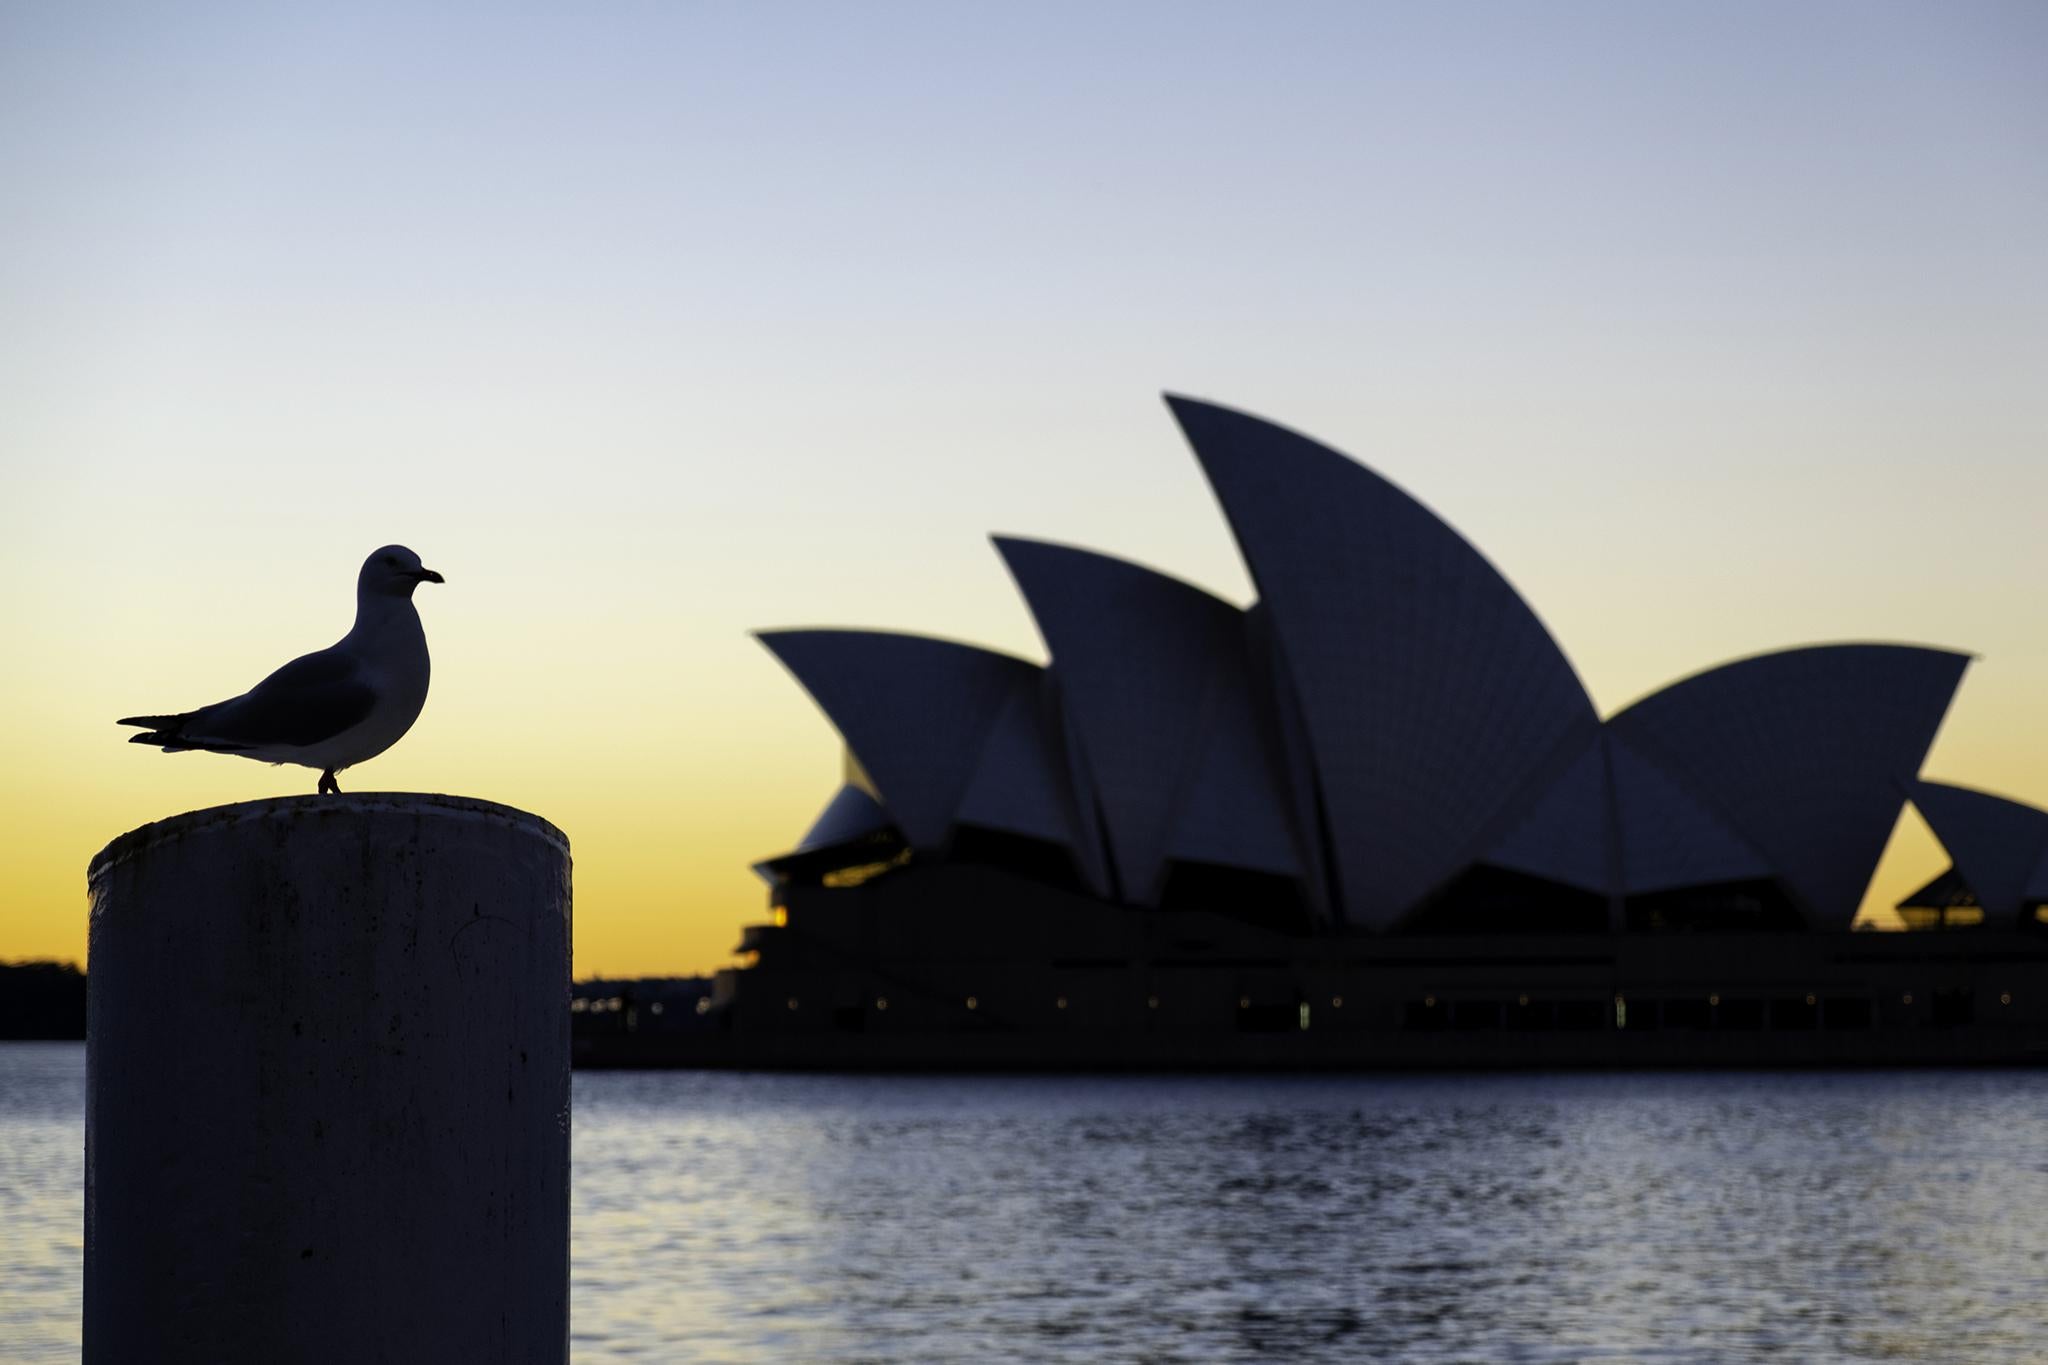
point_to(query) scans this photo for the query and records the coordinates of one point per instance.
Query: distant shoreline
(41, 1002)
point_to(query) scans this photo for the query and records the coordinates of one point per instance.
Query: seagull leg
(328, 786)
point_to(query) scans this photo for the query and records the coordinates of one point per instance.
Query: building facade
(1372, 819)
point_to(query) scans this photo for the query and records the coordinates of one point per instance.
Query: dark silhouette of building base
(954, 965)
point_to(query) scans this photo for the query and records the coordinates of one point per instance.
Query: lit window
(1304, 1014)
(881, 1002)
(973, 1003)
(840, 878)
(1620, 1012)
(781, 916)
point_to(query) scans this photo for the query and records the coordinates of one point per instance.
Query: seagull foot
(328, 786)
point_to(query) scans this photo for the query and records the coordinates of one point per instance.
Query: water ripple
(1543, 1219)
(1666, 1218)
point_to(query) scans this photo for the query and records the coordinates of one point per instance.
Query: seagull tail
(169, 733)
(162, 731)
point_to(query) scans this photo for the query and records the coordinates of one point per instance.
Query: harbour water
(1667, 1217)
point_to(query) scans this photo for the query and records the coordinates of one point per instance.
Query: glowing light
(703, 1004)
(973, 1003)
(792, 1002)
(842, 877)
(1151, 1002)
(781, 917)
(1522, 1000)
(1060, 1003)
(1907, 998)
(1336, 1002)
(881, 1002)
(2005, 998)
(1713, 1000)
(1244, 1002)
(655, 1007)
(1809, 1000)
(1304, 1014)
(1620, 1012)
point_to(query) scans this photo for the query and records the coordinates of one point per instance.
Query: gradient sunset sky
(1719, 328)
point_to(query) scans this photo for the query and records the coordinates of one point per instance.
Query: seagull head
(393, 571)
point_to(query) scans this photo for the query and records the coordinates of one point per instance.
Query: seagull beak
(429, 576)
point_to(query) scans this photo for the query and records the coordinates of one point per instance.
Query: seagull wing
(310, 699)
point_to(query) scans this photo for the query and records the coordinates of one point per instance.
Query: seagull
(330, 710)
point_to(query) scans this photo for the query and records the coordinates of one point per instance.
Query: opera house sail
(1371, 819)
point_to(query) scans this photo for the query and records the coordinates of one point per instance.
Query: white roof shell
(916, 712)
(1020, 786)
(1153, 676)
(851, 814)
(1804, 753)
(1999, 846)
(1614, 824)
(1430, 694)
(1670, 839)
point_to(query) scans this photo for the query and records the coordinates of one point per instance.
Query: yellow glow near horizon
(645, 722)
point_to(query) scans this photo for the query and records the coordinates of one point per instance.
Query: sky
(1718, 329)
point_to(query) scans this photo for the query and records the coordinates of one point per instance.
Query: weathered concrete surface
(327, 1112)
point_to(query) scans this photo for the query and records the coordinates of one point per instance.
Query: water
(42, 1198)
(1881, 1216)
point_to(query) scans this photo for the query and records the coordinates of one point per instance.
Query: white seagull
(330, 710)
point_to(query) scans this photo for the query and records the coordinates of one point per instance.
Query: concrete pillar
(327, 1094)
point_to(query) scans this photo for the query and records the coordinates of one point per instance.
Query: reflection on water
(42, 1198)
(1880, 1216)
(1884, 1216)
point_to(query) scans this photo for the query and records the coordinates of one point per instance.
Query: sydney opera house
(1372, 819)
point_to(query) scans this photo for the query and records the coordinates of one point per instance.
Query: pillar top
(215, 819)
